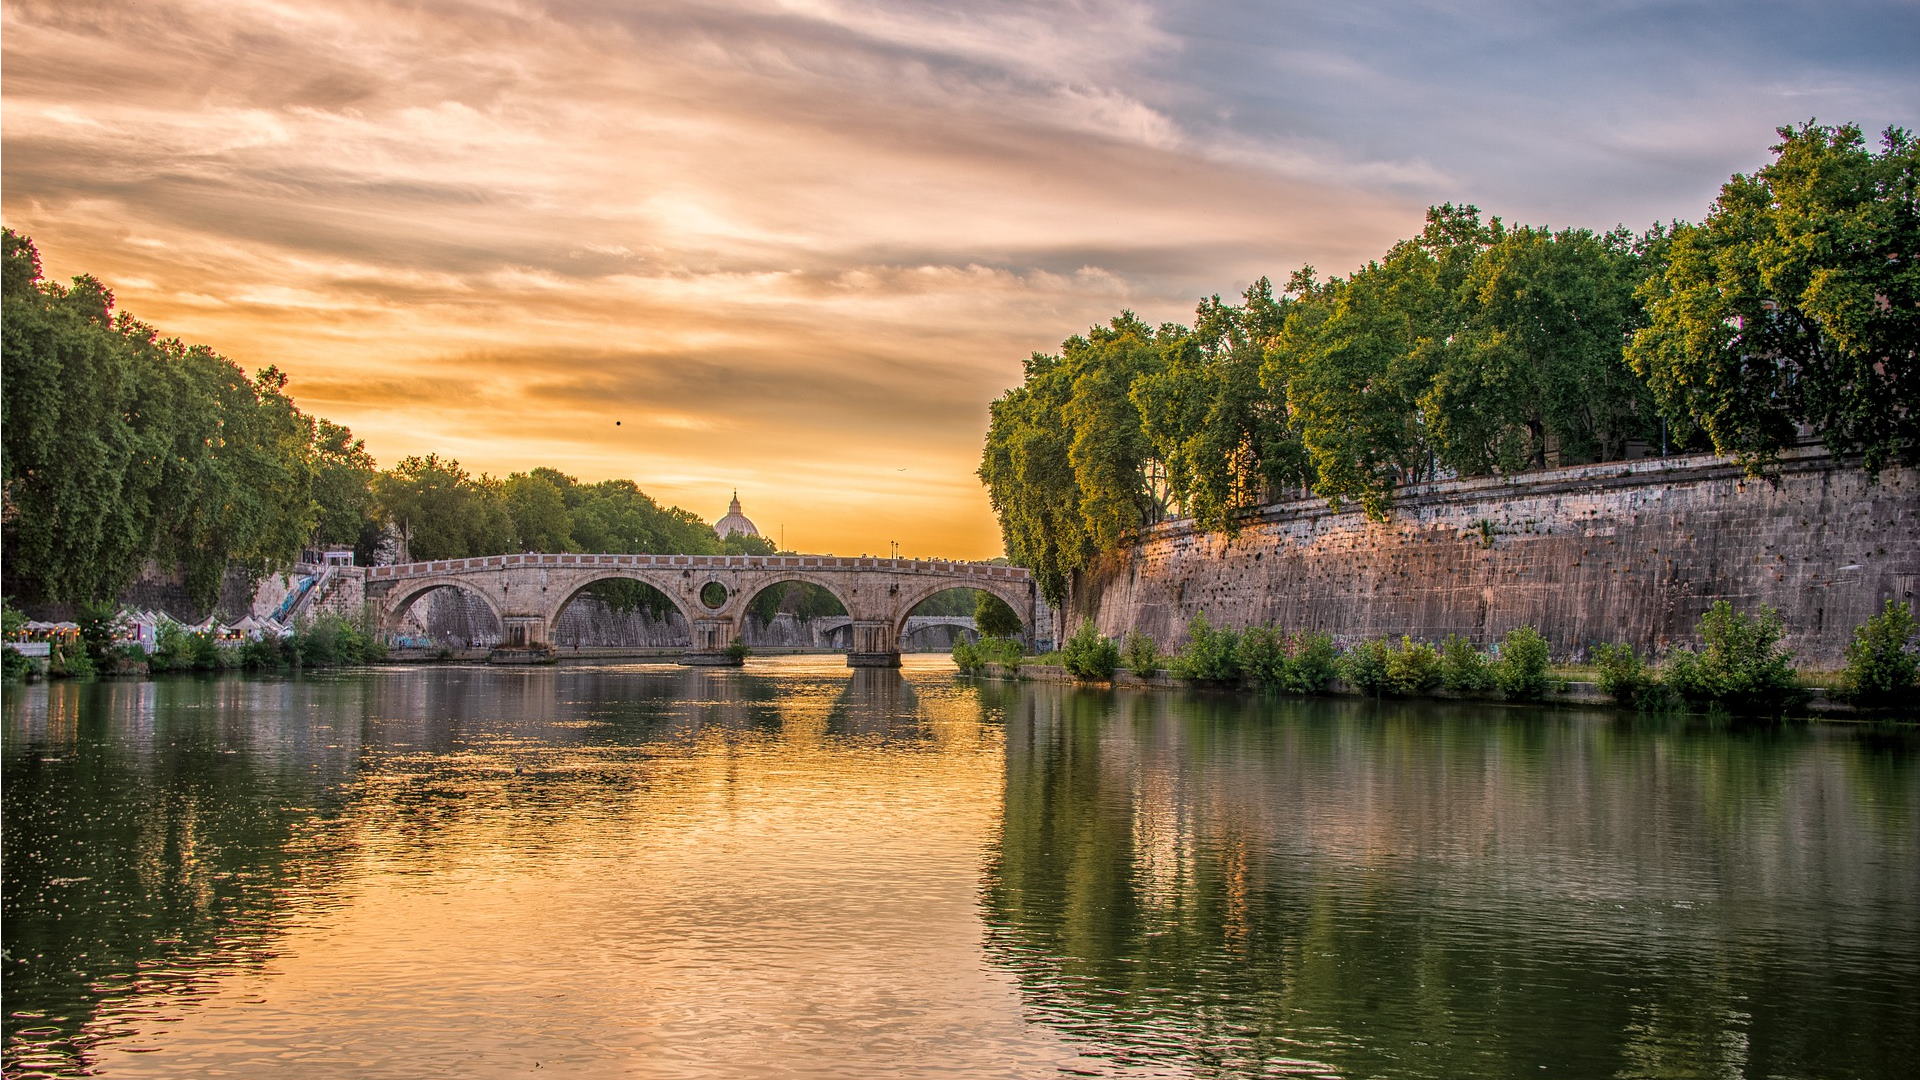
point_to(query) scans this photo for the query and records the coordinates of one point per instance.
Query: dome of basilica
(734, 522)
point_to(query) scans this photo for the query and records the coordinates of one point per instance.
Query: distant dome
(734, 522)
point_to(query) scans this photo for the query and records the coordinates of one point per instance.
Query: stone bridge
(528, 592)
(829, 627)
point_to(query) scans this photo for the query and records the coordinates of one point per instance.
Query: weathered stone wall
(1627, 552)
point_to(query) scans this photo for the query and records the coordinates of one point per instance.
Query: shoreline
(1818, 705)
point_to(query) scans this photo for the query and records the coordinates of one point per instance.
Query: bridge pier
(874, 644)
(711, 636)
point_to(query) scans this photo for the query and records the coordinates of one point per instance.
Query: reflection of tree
(1428, 891)
(153, 831)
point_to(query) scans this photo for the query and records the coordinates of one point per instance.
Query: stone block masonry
(1625, 552)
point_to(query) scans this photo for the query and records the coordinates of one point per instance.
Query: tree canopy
(1478, 348)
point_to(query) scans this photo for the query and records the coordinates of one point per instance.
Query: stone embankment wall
(1627, 552)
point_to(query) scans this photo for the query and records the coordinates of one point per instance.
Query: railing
(704, 562)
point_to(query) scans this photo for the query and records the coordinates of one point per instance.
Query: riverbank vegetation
(1742, 667)
(122, 448)
(1480, 348)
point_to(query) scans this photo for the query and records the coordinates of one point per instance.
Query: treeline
(1477, 348)
(120, 447)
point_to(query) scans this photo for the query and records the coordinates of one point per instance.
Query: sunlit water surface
(800, 870)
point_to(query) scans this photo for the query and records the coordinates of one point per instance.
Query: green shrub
(262, 653)
(172, 647)
(1312, 663)
(966, 656)
(1464, 668)
(329, 639)
(1742, 665)
(99, 624)
(1089, 654)
(1209, 654)
(1003, 651)
(1365, 666)
(737, 649)
(204, 651)
(1622, 673)
(1413, 668)
(70, 661)
(13, 663)
(1521, 671)
(1262, 657)
(1881, 665)
(1139, 654)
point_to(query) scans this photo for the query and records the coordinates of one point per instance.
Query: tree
(441, 512)
(993, 617)
(538, 508)
(343, 475)
(1797, 302)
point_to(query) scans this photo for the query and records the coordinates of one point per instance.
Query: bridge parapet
(436, 567)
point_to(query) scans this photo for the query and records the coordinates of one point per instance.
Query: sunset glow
(796, 248)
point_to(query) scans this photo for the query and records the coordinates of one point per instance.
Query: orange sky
(793, 248)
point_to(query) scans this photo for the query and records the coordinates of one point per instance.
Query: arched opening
(619, 613)
(798, 615)
(445, 616)
(956, 614)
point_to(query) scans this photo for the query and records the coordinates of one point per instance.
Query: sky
(796, 248)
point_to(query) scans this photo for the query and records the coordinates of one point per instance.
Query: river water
(799, 870)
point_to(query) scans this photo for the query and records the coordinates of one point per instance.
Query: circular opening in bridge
(796, 616)
(714, 595)
(951, 615)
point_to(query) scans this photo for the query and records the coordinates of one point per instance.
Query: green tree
(441, 512)
(1797, 302)
(993, 617)
(343, 475)
(538, 508)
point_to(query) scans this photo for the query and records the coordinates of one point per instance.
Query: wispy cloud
(799, 244)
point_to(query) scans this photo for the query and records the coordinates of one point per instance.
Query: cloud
(806, 241)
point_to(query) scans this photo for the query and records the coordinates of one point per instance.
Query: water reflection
(1358, 890)
(619, 870)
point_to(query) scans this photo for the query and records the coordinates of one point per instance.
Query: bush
(1521, 671)
(1413, 668)
(1312, 663)
(1742, 665)
(330, 639)
(13, 663)
(1881, 665)
(966, 657)
(1622, 673)
(1262, 656)
(171, 649)
(1089, 654)
(70, 662)
(1208, 654)
(1464, 668)
(737, 649)
(1003, 651)
(262, 653)
(99, 624)
(1365, 666)
(1139, 654)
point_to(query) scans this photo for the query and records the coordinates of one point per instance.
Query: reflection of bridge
(528, 592)
(835, 631)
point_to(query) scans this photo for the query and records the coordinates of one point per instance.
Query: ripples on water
(801, 870)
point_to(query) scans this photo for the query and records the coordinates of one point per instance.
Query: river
(633, 870)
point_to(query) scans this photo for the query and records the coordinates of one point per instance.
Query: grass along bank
(1741, 666)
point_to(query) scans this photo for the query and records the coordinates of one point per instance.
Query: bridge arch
(776, 585)
(662, 583)
(403, 600)
(1017, 595)
(748, 585)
